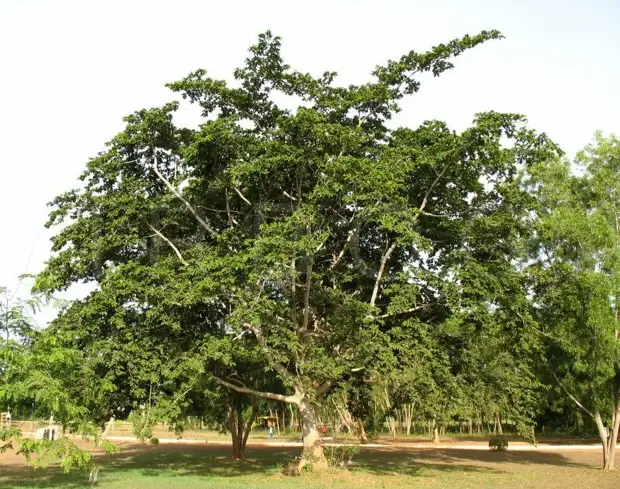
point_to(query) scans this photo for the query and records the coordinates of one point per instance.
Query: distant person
(270, 431)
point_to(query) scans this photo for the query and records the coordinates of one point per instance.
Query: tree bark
(435, 432)
(312, 445)
(408, 415)
(612, 440)
(239, 429)
(355, 426)
(498, 424)
(602, 432)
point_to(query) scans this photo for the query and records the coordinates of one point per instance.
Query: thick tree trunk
(312, 445)
(602, 432)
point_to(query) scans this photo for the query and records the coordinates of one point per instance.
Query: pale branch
(408, 311)
(171, 187)
(320, 247)
(286, 194)
(240, 335)
(384, 260)
(575, 400)
(293, 291)
(171, 244)
(242, 196)
(231, 221)
(344, 248)
(430, 189)
(280, 369)
(294, 399)
(307, 294)
(430, 214)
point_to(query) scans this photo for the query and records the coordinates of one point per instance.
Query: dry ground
(208, 466)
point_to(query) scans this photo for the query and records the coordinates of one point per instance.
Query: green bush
(154, 441)
(341, 456)
(498, 444)
(142, 423)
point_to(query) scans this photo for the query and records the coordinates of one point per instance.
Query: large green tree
(295, 224)
(576, 281)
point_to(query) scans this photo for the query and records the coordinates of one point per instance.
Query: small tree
(36, 370)
(577, 282)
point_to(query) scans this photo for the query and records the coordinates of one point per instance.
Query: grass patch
(204, 466)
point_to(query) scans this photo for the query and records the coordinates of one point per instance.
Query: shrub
(154, 441)
(341, 455)
(142, 423)
(498, 444)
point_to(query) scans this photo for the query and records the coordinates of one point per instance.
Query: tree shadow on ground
(216, 462)
(384, 461)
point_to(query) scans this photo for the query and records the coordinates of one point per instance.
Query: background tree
(39, 375)
(577, 281)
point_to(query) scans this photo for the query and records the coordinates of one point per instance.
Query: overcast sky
(70, 70)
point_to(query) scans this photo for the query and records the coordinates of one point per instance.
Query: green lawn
(193, 467)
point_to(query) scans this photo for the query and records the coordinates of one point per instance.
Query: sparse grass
(204, 466)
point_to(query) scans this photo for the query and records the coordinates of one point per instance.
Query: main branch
(384, 260)
(263, 344)
(171, 244)
(294, 399)
(178, 195)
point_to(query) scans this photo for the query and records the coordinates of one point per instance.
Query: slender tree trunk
(408, 415)
(612, 440)
(602, 432)
(355, 426)
(312, 444)
(498, 424)
(239, 429)
(435, 432)
(293, 422)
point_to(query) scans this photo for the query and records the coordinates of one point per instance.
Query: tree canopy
(298, 230)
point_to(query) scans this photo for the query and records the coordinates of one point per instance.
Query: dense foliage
(297, 247)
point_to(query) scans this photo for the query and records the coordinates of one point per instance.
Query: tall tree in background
(319, 239)
(577, 281)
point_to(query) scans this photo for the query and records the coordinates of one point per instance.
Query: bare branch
(171, 244)
(293, 292)
(320, 247)
(408, 311)
(294, 399)
(344, 248)
(170, 187)
(433, 215)
(384, 260)
(286, 194)
(231, 221)
(307, 294)
(576, 401)
(242, 196)
(284, 373)
(430, 189)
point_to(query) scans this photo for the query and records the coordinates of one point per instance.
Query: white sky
(70, 70)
